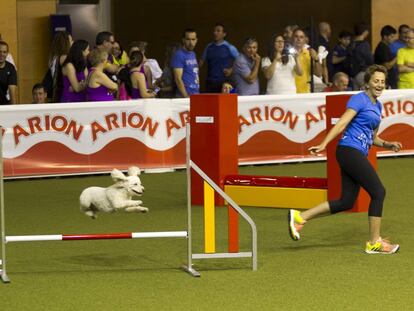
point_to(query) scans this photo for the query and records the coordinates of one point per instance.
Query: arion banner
(76, 138)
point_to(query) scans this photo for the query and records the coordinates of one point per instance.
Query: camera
(289, 51)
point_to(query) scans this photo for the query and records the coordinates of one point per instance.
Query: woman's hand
(83, 84)
(277, 56)
(317, 149)
(392, 145)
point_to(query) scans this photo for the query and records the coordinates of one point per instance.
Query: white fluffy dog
(115, 197)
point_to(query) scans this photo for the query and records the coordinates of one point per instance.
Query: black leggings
(356, 172)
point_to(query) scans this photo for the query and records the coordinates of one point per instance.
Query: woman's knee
(378, 193)
(341, 205)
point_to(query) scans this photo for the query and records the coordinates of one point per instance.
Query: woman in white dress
(280, 67)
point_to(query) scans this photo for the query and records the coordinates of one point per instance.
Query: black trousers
(356, 172)
(213, 86)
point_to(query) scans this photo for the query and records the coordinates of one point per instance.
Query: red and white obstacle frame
(187, 233)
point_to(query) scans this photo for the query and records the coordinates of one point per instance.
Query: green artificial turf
(326, 270)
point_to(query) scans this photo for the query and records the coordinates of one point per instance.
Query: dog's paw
(91, 214)
(136, 209)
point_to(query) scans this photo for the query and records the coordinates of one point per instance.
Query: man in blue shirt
(219, 56)
(246, 69)
(401, 41)
(185, 66)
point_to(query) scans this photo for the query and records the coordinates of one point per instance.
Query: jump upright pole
(189, 267)
(3, 275)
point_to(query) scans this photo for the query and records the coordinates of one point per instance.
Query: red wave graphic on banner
(273, 146)
(53, 158)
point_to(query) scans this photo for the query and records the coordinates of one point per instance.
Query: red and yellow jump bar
(262, 191)
(276, 191)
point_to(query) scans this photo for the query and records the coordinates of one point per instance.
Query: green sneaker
(295, 223)
(382, 246)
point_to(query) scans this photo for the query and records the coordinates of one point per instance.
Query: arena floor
(326, 270)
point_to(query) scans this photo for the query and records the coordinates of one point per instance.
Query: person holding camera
(280, 67)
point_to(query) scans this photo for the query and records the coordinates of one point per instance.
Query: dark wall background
(161, 22)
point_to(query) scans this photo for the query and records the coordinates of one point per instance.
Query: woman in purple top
(74, 73)
(59, 50)
(99, 86)
(139, 84)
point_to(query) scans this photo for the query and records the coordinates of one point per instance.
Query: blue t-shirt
(359, 133)
(188, 62)
(218, 57)
(396, 45)
(243, 67)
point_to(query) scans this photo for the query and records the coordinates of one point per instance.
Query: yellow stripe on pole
(209, 220)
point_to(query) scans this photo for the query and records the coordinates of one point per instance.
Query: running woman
(360, 121)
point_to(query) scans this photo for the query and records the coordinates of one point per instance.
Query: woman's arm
(62, 59)
(343, 122)
(140, 81)
(70, 72)
(269, 71)
(148, 75)
(102, 79)
(391, 145)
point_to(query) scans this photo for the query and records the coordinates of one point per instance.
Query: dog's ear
(134, 171)
(117, 175)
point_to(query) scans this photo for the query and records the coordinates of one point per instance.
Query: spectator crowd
(291, 64)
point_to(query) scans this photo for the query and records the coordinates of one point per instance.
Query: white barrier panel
(76, 138)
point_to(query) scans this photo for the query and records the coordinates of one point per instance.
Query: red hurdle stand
(213, 146)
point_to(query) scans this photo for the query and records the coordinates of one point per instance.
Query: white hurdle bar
(105, 236)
